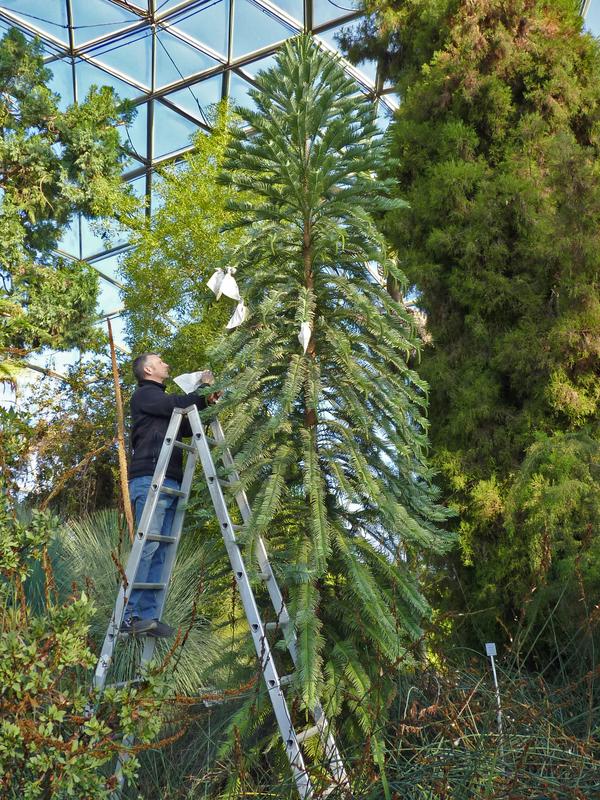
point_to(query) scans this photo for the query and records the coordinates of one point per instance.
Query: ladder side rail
(176, 529)
(137, 547)
(149, 646)
(264, 564)
(261, 643)
(331, 750)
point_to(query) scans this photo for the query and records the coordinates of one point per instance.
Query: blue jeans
(143, 602)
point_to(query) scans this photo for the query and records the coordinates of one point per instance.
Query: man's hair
(138, 366)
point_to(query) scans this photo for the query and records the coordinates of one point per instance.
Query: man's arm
(159, 404)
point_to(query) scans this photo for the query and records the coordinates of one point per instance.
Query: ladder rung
(183, 446)
(237, 527)
(330, 790)
(212, 442)
(316, 730)
(123, 684)
(275, 626)
(149, 586)
(264, 576)
(225, 483)
(285, 680)
(159, 537)
(174, 492)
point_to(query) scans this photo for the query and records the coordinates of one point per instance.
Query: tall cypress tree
(497, 141)
(330, 442)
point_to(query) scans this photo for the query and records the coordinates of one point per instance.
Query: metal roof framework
(172, 59)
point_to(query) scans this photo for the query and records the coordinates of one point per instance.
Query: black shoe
(137, 627)
(161, 630)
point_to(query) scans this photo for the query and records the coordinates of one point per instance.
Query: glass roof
(173, 58)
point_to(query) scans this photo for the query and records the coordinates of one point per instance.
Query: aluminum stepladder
(199, 449)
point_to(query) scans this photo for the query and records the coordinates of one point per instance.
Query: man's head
(150, 367)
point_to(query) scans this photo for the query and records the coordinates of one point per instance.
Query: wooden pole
(121, 436)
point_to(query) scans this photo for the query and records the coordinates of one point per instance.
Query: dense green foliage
(497, 139)
(52, 744)
(53, 165)
(330, 443)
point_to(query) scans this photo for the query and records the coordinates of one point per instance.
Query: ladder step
(276, 626)
(159, 537)
(316, 730)
(237, 527)
(173, 492)
(225, 483)
(149, 586)
(212, 442)
(285, 680)
(123, 684)
(183, 446)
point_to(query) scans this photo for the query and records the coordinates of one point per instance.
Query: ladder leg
(333, 756)
(261, 643)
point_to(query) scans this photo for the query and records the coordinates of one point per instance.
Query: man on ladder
(151, 410)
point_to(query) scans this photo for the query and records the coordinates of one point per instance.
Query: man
(151, 411)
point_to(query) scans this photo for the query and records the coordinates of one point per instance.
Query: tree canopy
(496, 141)
(53, 165)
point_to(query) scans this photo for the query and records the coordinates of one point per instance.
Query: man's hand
(207, 378)
(212, 398)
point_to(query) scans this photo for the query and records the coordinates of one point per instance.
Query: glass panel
(118, 328)
(164, 6)
(62, 81)
(254, 67)
(384, 117)
(238, 92)
(171, 131)
(254, 28)
(176, 60)
(368, 67)
(207, 24)
(198, 98)
(328, 10)
(392, 100)
(130, 57)
(109, 298)
(58, 362)
(135, 136)
(94, 18)
(139, 186)
(592, 18)
(295, 8)
(109, 266)
(49, 17)
(6, 26)
(94, 240)
(88, 75)
(69, 241)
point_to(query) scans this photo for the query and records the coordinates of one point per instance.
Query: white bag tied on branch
(304, 335)
(239, 315)
(223, 283)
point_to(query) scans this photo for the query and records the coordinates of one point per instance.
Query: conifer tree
(54, 165)
(497, 145)
(330, 442)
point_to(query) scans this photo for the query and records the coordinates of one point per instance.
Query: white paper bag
(304, 335)
(189, 381)
(239, 315)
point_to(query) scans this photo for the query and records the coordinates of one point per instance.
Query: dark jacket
(151, 411)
